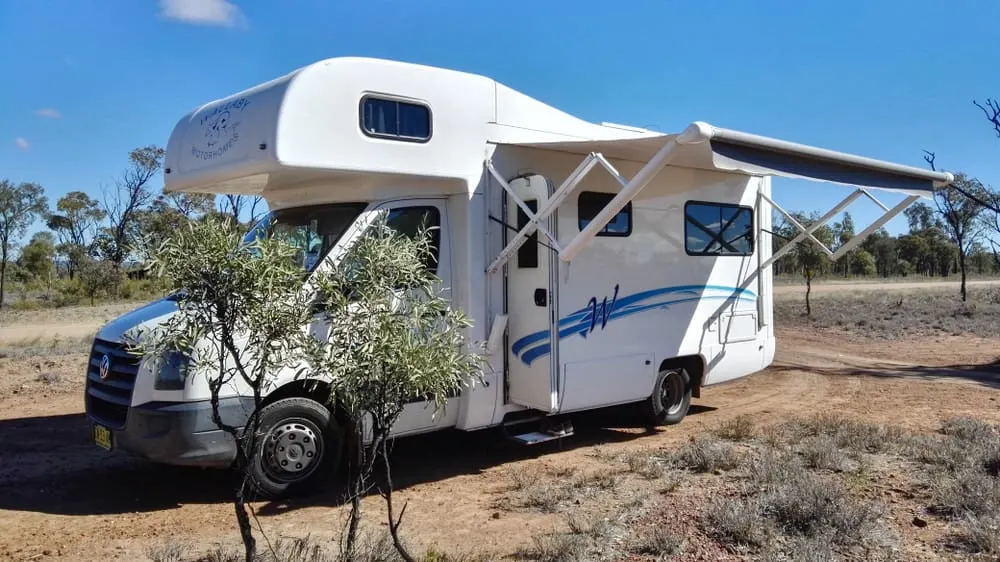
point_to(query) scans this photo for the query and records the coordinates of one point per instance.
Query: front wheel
(299, 444)
(671, 397)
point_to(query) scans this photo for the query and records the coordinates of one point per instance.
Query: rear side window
(591, 202)
(715, 229)
(394, 119)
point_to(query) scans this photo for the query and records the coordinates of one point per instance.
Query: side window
(398, 120)
(591, 202)
(527, 254)
(409, 220)
(715, 229)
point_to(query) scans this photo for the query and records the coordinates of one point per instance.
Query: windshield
(313, 230)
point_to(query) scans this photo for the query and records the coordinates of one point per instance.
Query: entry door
(531, 305)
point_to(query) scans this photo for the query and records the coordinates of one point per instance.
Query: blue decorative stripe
(597, 314)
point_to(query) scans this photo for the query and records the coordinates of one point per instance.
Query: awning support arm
(850, 244)
(629, 191)
(534, 219)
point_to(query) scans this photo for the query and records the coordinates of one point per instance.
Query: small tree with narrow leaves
(240, 310)
(391, 337)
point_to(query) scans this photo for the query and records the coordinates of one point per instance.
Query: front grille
(108, 399)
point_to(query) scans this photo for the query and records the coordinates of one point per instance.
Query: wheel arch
(695, 367)
(314, 389)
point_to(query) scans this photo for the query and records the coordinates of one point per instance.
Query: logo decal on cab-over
(220, 129)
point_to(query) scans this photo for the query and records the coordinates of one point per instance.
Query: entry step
(560, 431)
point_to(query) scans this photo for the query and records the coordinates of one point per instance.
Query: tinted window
(713, 229)
(527, 254)
(313, 230)
(591, 202)
(395, 119)
(408, 221)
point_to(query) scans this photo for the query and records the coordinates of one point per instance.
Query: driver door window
(408, 221)
(408, 217)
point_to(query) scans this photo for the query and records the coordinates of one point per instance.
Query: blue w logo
(605, 311)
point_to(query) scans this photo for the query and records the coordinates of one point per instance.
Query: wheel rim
(672, 392)
(292, 450)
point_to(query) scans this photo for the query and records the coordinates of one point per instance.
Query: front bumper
(182, 433)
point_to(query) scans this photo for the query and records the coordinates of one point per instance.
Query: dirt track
(62, 497)
(847, 286)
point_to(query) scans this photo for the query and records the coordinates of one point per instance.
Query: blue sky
(87, 80)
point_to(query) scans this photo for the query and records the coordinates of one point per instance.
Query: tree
(961, 214)
(807, 257)
(98, 276)
(75, 223)
(189, 205)
(234, 205)
(843, 231)
(19, 206)
(392, 337)
(124, 203)
(920, 217)
(240, 311)
(36, 257)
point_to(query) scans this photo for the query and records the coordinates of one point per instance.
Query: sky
(88, 80)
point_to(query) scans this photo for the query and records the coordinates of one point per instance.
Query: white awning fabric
(704, 146)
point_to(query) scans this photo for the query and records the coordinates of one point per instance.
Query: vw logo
(105, 366)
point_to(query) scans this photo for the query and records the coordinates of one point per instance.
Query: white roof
(304, 127)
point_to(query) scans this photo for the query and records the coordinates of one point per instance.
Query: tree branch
(992, 112)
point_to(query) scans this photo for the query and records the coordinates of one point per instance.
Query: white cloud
(202, 12)
(22, 143)
(48, 113)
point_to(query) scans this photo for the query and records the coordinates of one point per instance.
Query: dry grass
(896, 314)
(659, 541)
(556, 547)
(370, 548)
(740, 428)
(703, 454)
(790, 498)
(46, 347)
(964, 479)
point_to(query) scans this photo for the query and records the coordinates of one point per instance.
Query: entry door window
(408, 221)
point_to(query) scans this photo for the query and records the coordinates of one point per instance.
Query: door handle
(541, 297)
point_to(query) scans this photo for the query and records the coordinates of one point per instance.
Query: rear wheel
(671, 397)
(299, 445)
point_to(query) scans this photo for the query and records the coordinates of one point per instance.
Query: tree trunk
(354, 486)
(808, 291)
(961, 267)
(3, 273)
(394, 522)
(246, 531)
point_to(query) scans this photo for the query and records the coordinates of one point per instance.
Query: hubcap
(291, 450)
(672, 392)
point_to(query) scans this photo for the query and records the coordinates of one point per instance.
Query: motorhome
(601, 264)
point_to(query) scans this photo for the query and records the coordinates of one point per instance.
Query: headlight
(172, 371)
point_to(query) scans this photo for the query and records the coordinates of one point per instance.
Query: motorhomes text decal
(220, 129)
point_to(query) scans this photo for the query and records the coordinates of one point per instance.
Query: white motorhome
(602, 264)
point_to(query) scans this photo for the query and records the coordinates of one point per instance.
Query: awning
(703, 146)
(706, 147)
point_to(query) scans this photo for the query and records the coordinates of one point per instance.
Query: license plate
(102, 436)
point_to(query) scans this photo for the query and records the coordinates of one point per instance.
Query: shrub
(822, 453)
(706, 455)
(738, 522)
(740, 428)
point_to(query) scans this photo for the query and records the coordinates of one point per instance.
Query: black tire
(671, 397)
(299, 446)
